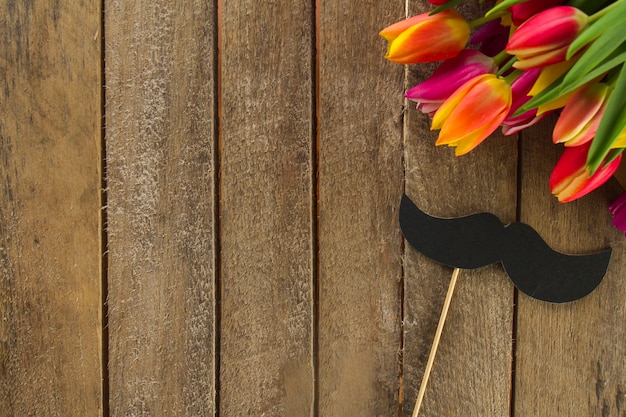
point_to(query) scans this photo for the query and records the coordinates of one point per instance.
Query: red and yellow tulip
(581, 116)
(570, 178)
(472, 112)
(544, 38)
(426, 38)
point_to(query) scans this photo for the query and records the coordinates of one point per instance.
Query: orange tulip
(472, 112)
(426, 38)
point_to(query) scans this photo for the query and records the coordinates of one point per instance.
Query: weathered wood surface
(50, 138)
(266, 208)
(360, 185)
(256, 153)
(160, 149)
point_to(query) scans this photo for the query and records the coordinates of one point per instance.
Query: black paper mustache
(481, 239)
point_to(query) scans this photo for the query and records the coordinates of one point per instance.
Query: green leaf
(613, 154)
(612, 124)
(589, 7)
(602, 47)
(503, 6)
(616, 17)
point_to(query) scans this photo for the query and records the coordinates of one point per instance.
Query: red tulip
(426, 38)
(524, 11)
(544, 38)
(472, 112)
(570, 178)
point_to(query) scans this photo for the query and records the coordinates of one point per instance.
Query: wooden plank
(266, 209)
(161, 118)
(360, 186)
(50, 288)
(571, 357)
(472, 371)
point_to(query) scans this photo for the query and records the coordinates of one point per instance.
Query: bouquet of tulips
(523, 60)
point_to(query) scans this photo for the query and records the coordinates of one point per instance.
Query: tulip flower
(544, 38)
(426, 38)
(492, 38)
(472, 112)
(570, 178)
(524, 11)
(581, 116)
(450, 75)
(618, 210)
(520, 88)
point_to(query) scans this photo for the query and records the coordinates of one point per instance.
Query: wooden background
(198, 217)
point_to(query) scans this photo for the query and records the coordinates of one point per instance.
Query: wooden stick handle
(433, 349)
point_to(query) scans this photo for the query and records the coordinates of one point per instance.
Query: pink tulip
(618, 210)
(581, 116)
(520, 88)
(570, 178)
(524, 11)
(472, 112)
(426, 38)
(450, 75)
(544, 38)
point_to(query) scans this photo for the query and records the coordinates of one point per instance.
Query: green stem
(513, 76)
(507, 66)
(501, 57)
(602, 12)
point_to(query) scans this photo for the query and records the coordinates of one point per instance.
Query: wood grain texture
(571, 358)
(50, 291)
(266, 209)
(160, 115)
(360, 185)
(471, 375)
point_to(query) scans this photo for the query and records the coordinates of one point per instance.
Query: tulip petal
(448, 106)
(473, 113)
(429, 38)
(581, 115)
(570, 178)
(556, 26)
(392, 32)
(541, 59)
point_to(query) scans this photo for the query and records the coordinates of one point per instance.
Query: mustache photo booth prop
(481, 239)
